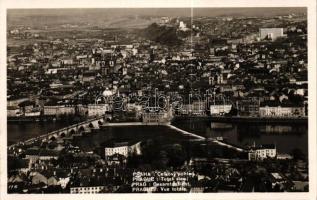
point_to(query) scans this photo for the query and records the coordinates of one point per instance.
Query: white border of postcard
(312, 76)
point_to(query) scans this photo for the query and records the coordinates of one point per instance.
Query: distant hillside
(161, 34)
(85, 20)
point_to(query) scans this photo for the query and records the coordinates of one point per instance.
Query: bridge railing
(72, 126)
(59, 130)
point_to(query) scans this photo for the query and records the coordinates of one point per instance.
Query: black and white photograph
(158, 100)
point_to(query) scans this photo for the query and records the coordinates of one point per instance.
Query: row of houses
(90, 110)
(245, 108)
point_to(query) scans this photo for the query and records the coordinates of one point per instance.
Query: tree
(297, 154)
(233, 111)
(176, 155)
(162, 161)
(52, 145)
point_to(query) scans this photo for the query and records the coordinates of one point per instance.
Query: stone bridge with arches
(95, 123)
(68, 132)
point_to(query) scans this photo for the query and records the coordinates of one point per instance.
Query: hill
(162, 34)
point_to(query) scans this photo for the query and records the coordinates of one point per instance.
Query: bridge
(98, 122)
(67, 132)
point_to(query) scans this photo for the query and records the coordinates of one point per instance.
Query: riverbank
(56, 133)
(242, 131)
(245, 119)
(70, 118)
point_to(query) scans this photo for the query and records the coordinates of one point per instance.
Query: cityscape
(148, 100)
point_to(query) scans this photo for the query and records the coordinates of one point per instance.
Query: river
(23, 130)
(286, 137)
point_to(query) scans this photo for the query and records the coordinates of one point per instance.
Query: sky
(127, 17)
(172, 12)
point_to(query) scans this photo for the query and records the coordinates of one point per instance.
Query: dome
(107, 93)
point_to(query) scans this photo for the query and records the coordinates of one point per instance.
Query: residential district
(220, 67)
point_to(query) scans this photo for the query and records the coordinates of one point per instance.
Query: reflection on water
(285, 136)
(130, 133)
(276, 129)
(20, 131)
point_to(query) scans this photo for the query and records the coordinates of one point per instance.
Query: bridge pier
(67, 131)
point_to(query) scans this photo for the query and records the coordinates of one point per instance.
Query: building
(155, 117)
(280, 180)
(57, 110)
(284, 157)
(122, 148)
(199, 108)
(262, 152)
(116, 159)
(35, 112)
(87, 190)
(271, 33)
(40, 154)
(27, 106)
(37, 178)
(13, 111)
(248, 107)
(275, 109)
(67, 61)
(182, 26)
(220, 109)
(98, 109)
